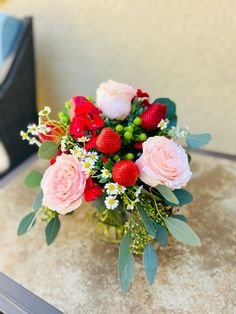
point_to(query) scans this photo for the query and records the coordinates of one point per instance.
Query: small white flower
(177, 132)
(87, 166)
(121, 189)
(32, 128)
(93, 155)
(163, 124)
(24, 136)
(130, 206)
(78, 152)
(112, 188)
(63, 145)
(33, 141)
(138, 191)
(105, 173)
(82, 139)
(45, 112)
(111, 202)
(43, 129)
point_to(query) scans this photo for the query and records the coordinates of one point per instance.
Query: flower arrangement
(122, 153)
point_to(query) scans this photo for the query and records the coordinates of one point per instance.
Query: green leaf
(52, 229)
(182, 231)
(99, 203)
(26, 223)
(183, 197)
(150, 262)
(162, 235)
(171, 106)
(149, 224)
(126, 263)
(47, 150)
(38, 200)
(33, 179)
(167, 194)
(197, 140)
(180, 217)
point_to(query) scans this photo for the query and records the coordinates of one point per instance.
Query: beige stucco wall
(183, 49)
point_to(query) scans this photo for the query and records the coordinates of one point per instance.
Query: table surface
(78, 273)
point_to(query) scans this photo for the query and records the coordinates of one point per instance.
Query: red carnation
(141, 94)
(152, 116)
(91, 143)
(92, 191)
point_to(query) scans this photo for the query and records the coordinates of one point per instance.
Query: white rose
(114, 99)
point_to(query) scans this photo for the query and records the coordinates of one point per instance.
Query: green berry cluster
(140, 237)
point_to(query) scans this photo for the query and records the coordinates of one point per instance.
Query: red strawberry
(125, 173)
(152, 116)
(108, 141)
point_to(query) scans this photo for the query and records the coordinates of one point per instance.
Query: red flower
(84, 116)
(92, 190)
(91, 143)
(141, 94)
(53, 160)
(104, 159)
(55, 134)
(138, 145)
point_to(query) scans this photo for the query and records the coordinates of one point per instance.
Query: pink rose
(63, 185)
(114, 99)
(163, 162)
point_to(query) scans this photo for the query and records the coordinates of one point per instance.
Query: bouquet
(124, 154)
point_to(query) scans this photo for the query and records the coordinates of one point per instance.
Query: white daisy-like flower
(105, 173)
(78, 152)
(93, 155)
(121, 189)
(87, 165)
(112, 188)
(82, 139)
(111, 202)
(46, 111)
(138, 191)
(24, 136)
(163, 124)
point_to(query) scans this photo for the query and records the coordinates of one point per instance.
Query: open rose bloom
(124, 152)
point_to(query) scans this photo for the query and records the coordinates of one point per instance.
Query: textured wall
(183, 49)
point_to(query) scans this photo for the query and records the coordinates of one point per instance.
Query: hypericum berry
(115, 157)
(108, 141)
(119, 128)
(128, 135)
(129, 128)
(142, 137)
(129, 156)
(137, 121)
(125, 173)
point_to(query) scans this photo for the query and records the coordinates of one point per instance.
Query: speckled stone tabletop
(78, 273)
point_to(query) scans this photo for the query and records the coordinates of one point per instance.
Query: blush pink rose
(63, 185)
(114, 99)
(163, 162)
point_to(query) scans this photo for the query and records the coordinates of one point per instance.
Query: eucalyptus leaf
(33, 179)
(162, 235)
(52, 229)
(149, 224)
(180, 217)
(167, 194)
(47, 150)
(150, 262)
(171, 106)
(197, 140)
(38, 200)
(182, 232)
(126, 264)
(26, 223)
(183, 197)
